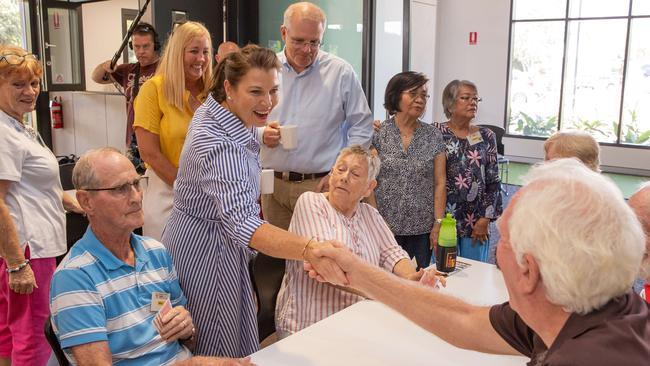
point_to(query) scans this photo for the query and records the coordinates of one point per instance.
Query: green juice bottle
(447, 245)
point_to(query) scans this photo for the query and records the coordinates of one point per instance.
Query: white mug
(289, 137)
(266, 181)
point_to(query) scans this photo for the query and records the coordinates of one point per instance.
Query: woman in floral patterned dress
(473, 184)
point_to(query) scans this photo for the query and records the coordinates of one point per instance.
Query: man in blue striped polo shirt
(107, 291)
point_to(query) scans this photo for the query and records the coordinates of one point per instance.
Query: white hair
(305, 10)
(374, 164)
(585, 239)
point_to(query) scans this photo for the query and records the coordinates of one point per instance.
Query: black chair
(266, 274)
(501, 159)
(54, 344)
(66, 165)
(75, 228)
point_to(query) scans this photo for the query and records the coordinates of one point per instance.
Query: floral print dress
(473, 184)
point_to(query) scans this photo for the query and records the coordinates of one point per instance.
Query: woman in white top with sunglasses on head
(32, 216)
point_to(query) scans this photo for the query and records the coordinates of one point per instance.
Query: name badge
(158, 299)
(475, 138)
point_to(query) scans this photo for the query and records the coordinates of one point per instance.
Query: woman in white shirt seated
(339, 215)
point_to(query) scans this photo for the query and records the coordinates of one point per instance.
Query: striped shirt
(214, 217)
(303, 301)
(96, 297)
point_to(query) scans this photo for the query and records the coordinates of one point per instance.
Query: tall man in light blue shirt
(323, 97)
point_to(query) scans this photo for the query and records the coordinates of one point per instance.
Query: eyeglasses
(14, 59)
(123, 189)
(473, 99)
(415, 95)
(301, 44)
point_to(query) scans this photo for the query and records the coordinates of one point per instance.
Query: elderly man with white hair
(640, 203)
(570, 250)
(112, 284)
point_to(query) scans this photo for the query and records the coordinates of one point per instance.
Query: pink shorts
(22, 317)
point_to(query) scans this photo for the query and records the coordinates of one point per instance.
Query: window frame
(566, 19)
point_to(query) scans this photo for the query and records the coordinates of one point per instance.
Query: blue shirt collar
(285, 63)
(92, 245)
(233, 126)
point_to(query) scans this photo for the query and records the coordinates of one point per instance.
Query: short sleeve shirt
(405, 184)
(616, 334)
(125, 75)
(155, 114)
(35, 195)
(96, 297)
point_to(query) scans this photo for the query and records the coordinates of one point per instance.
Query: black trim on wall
(43, 118)
(242, 21)
(406, 44)
(368, 54)
(210, 13)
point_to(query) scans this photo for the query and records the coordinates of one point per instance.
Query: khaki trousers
(277, 207)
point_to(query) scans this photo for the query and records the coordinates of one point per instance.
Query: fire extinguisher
(56, 112)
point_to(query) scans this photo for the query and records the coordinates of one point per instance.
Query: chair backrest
(266, 274)
(54, 344)
(499, 132)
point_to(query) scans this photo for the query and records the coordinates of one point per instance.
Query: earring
(229, 97)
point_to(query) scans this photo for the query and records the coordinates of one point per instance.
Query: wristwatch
(438, 221)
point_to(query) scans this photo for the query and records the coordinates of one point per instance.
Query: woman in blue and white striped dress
(215, 226)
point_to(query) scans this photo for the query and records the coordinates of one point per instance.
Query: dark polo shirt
(616, 334)
(124, 75)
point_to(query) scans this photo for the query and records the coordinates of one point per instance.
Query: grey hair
(579, 144)
(373, 161)
(83, 174)
(585, 239)
(306, 10)
(450, 93)
(640, 203)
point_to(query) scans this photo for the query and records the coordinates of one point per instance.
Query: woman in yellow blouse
(163, 111)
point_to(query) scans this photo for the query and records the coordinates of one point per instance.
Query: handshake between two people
(332, 262)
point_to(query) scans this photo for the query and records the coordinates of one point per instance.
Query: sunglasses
(14, 59)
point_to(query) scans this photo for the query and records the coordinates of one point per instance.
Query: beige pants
(278, 206)
(157, 205)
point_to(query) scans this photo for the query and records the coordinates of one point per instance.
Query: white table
(370, 333)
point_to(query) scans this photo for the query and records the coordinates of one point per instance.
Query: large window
(580, 64)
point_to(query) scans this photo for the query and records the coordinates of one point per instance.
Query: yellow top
(155, 114)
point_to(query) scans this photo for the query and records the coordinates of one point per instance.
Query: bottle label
(450, 260)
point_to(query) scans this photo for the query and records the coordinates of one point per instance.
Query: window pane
(14, 23)
(641, 7)
(535, 9)
(598, 8)
(63, 27)
(636, 102)
(343, 36)
(592, 81)
(535, 76)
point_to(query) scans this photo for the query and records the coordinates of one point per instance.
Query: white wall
(102, 32)
(90, 120)
(423, 47)
(96, 118)
(486, 65)
(389, 27)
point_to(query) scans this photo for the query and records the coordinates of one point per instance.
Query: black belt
(298, 177)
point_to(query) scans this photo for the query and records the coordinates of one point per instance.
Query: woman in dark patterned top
(473, 184)
(411, 183)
